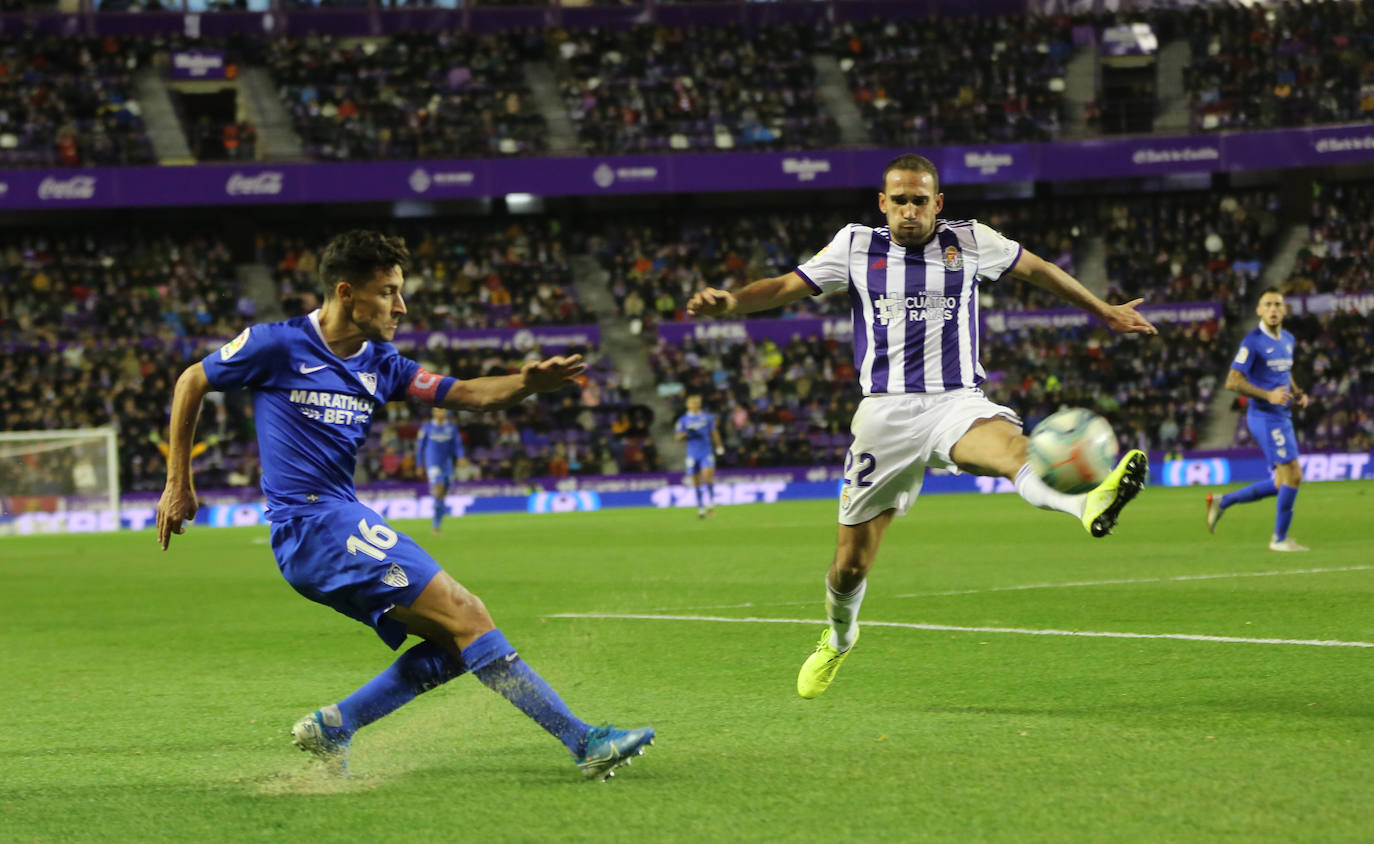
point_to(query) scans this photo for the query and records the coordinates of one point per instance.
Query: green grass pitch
(148, 696)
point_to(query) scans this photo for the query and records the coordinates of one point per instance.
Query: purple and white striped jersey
(915, 311)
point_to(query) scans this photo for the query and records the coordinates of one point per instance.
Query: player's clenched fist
(711, 303)
(551, 373)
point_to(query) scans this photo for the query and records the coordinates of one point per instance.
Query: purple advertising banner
(1126, 157)
(1326, 303)
(998, 321)
(198, 64)
(780, 331)
(551, 338)
(687, 173)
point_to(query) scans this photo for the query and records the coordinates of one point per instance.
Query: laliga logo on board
(419, 180)
(77, 187)
(4, 188)
(805, 169)
(987, 163)
(266, 183)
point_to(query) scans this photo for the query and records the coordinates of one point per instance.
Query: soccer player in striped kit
(913, 289)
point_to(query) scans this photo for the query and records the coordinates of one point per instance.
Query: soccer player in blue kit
(437, 448)
(703, 444)
(1262, 371)
(316, 381)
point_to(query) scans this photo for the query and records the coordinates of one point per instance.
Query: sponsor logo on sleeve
(1243, 355)
(231, 348)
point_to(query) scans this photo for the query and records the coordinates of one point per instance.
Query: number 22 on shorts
(867, 464)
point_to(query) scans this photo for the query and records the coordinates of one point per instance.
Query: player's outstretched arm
(1047, 276)
(498, 391)
(178, 502)
(762, 295)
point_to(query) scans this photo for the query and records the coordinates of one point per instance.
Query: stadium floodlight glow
(524, 203)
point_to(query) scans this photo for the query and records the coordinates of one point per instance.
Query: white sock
(843, 612)
(1038, 493)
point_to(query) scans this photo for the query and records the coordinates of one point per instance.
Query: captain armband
(428, 387)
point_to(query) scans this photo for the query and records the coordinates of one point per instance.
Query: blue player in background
(316, 381)
(1262, 370)
(703, 444)
(437, 448)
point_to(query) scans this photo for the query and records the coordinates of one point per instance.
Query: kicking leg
(995, 447)
(454, 618)
(439, 491)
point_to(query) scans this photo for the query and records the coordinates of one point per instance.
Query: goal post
(59, 481)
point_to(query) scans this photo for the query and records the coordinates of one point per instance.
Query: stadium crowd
(1187, 247)
(475, 275)
(667, 89)
(68, 101)
(1290, 64)
(417, 95)
(1339, 255)
(950, 80)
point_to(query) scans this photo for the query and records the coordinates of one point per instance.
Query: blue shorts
(697, 462)
(1275, 436)
(332, 557)
(439, 475)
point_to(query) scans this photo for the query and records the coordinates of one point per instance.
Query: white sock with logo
(843, 612)
(1038, 493)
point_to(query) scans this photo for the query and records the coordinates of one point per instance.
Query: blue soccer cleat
(313, 735)
(609, 748)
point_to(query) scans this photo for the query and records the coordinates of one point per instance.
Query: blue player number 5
(375, 542)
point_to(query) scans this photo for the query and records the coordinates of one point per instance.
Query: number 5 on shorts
(864, 470)
(375, 542)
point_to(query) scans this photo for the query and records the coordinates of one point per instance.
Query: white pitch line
(1020, 631)
(1073, 584)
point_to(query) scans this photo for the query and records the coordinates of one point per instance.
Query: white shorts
(896, 437)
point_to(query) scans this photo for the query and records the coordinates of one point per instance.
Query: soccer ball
(1072, 450)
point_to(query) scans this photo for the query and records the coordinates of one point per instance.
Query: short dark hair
(912, 161)
(357, 256)
(1270, 289)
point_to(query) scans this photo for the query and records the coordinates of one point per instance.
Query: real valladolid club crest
(954, 258)
(369, 380)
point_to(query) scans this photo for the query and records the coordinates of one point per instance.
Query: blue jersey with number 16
(312, 408)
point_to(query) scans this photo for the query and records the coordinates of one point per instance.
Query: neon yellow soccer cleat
(819, 669)
(1105, 503)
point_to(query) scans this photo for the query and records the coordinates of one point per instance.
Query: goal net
(59, 481)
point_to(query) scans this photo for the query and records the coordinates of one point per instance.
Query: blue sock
(1253, 492)
(440, 510)
(493, 661)
(1284, 517)
(416, 671)
(699, 490)
(710, 495)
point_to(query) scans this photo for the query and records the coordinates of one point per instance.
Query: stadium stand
(68, 102)
(661, 89)
(1290, 64)
(958, 79)
(416, 95)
